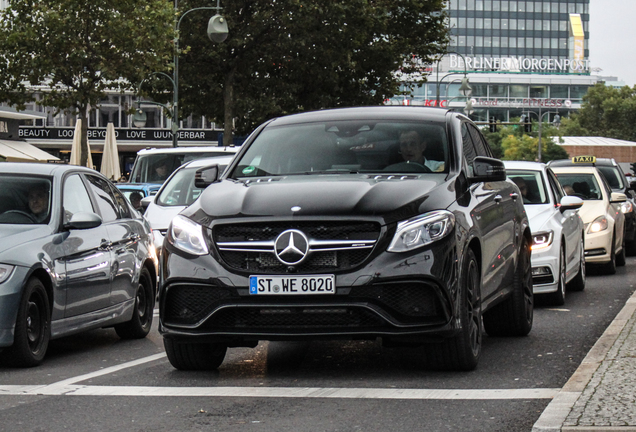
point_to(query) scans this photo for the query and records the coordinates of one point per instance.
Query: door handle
(514, 195)
(498, 198)
(105, 245)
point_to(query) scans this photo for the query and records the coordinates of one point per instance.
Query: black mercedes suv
(356, 223)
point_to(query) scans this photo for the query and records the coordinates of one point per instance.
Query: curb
(555, 414)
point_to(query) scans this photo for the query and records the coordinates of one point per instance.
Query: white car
(557, 230)
(178, 192)
(601, 213)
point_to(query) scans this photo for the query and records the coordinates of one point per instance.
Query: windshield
(346, 147)
(157, 167)
(25, 199)
(583, 186)
(530, 185)
(180, 190)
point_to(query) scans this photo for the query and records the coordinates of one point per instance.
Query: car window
(346, 147)
(469, 147)
(557, 190)
(481, 146)
(531, 185)
(124, 210)
(157, 167)
(106, 202)
(613, 177)
(75, 197)
(180, 190)
(585, 186)
(25, 199)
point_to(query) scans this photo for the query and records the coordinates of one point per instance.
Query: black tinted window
(106, 202)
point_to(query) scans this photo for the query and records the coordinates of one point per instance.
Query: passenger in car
(412, 148)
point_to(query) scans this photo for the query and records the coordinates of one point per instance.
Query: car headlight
(5, 271)
(627, 207)
(599, 224)
(422, 230)
(187, 235)
(542, 240)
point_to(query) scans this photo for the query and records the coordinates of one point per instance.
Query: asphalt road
(96, 382)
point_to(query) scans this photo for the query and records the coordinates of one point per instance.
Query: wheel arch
(45, 278)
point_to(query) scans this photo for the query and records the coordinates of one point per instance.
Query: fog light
(541, 271)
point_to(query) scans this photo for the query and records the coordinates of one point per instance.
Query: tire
(194, 356)
(557, 298)
(32, 327)
(620, 257)
(578, 283)
(610, 267)
(139, 325)
(462, 352)
(514, 316)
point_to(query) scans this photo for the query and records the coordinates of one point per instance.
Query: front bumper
(545, 269)
(397, 296)
(10, 294)
(598, 247)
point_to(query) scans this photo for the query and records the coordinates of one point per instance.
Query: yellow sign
(584, 159)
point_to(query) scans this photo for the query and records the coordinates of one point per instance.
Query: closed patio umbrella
(110, 159)
(77, 145)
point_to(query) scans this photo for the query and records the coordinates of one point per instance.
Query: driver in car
(39, 203)
(412, 147)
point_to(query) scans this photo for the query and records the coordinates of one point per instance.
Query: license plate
(292, 285)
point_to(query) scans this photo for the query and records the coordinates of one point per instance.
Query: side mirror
(204, 177)
(570, 203)
(632, 185)
(618, 197)
(84, 220)
(487, 169)
(145, 201)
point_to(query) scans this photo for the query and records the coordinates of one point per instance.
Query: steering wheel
(408, 167)
(17, 216)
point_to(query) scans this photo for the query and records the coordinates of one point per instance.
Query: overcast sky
(613, 39)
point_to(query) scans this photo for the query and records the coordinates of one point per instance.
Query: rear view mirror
(84, 220)
(488, 169)
(204, 177)
(145, 201)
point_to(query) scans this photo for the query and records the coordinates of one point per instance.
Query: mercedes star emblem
(291, 247)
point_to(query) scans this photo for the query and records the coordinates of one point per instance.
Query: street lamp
(464, 89)
(217, 32)
(556, 122)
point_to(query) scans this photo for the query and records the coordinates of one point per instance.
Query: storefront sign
(518, 64)
(521, 103)
(123, 134)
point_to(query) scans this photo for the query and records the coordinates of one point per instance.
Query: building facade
(521, 57)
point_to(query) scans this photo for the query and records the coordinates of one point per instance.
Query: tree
(292, 55)
(609, 112)
(80, 49)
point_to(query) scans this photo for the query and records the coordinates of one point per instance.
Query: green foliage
(295, 55)
(78, 50)
(510, 142)
(608, 112)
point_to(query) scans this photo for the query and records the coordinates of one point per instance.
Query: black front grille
(188, 304)
(295, 319)
(409, 301)
(317, 261)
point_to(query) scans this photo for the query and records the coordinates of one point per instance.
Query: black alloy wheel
(139, 326)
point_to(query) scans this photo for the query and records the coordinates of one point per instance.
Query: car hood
(391, 198)
(18, 235)
(159, 217)
(592, 209)
(539, 215)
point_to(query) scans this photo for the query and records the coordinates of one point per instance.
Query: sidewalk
(601, 395)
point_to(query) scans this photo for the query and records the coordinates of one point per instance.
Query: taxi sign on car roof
(584, 159)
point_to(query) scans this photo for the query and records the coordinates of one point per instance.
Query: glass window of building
(470, 5)
(513, 5)
(529, 6)
(470, 23)
(479, 5)
(579, 8)
(521, 42)
(539, 91)
(462, 4)
(461, 41)
(504, 24)
(512, 24)
(487, 23)
(479, 90)
(521, 24)
(479, 23)
(563, 7)
(487, 5)
(546, 7)
(571, 8)
(496, 5)
(537, 42)
(504, 42)
(479, 41)
(504, 5)
(521, 6)
(496, 23)
(545, 25)
(461, 22)
(495, 42)
(577, 92)
(498, 90)
(559, 91)
(519, 90)
(512, 42)
(563, 43)
(554, 43)
(563, 26)
(529, 24)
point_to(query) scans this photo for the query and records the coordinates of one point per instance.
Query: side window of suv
(106, 202)
(469, 147)
(481, 146)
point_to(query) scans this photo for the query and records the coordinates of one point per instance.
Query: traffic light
(633, 165)
(528, 125)
(493, 124)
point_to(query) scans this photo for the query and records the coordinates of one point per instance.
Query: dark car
(330, 225)
(618, 182)
(74, 257)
